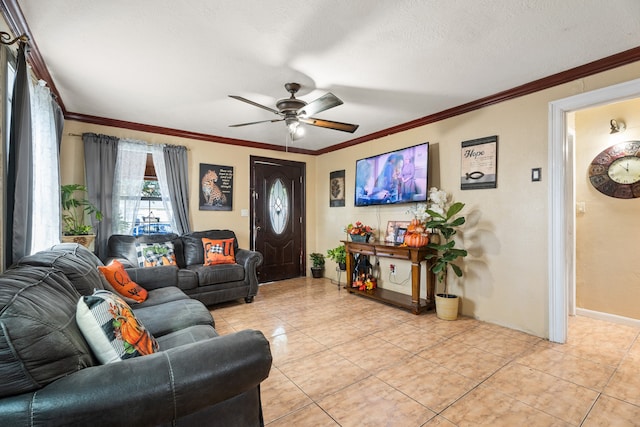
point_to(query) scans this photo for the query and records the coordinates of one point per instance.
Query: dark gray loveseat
(50, 377)
(209, 284)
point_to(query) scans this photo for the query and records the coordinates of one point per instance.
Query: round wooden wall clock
(616, 171)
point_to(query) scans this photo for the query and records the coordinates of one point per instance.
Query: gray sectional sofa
(51, 377)
(209, 284)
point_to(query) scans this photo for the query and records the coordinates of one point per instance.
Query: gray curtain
(175, 159)
(100, 153)
(19, 192)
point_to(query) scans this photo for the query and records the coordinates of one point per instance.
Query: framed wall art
(479, 163)
(216, 187)
(336, 189)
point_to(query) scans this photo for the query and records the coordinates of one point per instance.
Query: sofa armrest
(152, 278)
(250, 260)
(149, 390)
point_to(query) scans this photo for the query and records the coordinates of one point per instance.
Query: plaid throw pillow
(154, 254)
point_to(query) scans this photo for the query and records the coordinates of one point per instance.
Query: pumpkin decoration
(416, 234)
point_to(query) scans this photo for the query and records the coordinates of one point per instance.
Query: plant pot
(83, 239)
(359, 238)
(447, 306)
(316, 272)
(342, 266)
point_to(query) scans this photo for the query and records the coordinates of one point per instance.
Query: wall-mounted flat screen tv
(399, 176)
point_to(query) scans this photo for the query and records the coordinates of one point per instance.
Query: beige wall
(72, 171)
(607, 232)
(506, 274)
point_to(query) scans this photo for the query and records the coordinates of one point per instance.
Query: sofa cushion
(184, 336)
(155, 254)
(81, 270)
(218, 251)
(162, 295)
(173, 316)
(220, 274)
(192, 244)
(39, 339)
(121, 282)
(111, 329)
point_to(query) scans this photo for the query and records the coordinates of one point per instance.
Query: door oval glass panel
(278, 206)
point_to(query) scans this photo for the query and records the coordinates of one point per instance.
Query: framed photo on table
(399, 238)
(479, 163)
(392, 230)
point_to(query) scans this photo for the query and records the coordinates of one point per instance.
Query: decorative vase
(359, 238)
(447, 306)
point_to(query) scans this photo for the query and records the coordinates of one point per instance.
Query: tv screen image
(398, 176)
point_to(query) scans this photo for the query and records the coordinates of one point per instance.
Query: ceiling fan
(294, 111)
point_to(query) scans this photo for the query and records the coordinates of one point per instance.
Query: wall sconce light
(617, 126)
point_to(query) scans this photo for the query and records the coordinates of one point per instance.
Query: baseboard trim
(613, 318)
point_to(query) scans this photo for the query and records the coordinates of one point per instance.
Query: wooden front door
(277, 214)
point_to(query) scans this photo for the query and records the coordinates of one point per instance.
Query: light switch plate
(536, 174)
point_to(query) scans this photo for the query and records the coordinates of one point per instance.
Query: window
(139, 202)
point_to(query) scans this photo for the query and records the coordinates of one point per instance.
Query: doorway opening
(561, 200)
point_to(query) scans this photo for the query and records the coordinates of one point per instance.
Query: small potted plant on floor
(339, 256)
(74, 209)
(318, 264)
(445, 254)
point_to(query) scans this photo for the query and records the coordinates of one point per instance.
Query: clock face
(616, 171)
(625, 170)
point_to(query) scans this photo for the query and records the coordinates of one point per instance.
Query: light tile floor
(343, 360)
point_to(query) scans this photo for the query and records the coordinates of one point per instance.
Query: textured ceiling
(172, 63)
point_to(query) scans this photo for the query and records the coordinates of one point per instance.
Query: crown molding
(18, 25)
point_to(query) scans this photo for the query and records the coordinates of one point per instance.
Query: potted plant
(446, 253)
(75, 206)
(359, 232)
(339, 256)
(318, 264)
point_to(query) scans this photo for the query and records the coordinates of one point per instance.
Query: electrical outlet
(392, 269)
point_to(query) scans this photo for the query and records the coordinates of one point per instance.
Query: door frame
(561, 211)
(252, 196)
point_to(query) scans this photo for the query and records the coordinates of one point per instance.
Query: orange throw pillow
(218, 251)
(121, 282)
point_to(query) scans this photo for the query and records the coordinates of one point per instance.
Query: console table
(411, 302)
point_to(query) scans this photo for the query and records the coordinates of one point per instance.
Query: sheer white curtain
(157, 152)
(128, 181)
(46, 178)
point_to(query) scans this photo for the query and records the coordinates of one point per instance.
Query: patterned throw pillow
(111, 328)
(218, 251)
(119, 279)
(154, 254)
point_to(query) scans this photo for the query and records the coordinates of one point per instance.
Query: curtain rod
(5, 38)
(148, 143)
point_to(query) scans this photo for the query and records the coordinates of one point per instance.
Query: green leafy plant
(74, 209)
(317, 259)
(338, 254)
(446, 252)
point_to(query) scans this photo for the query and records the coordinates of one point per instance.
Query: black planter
(342, 266)
(316, 272)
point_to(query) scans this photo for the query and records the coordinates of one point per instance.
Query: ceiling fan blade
(255, 104)
(326, 101)
(345, 127)
(255, 123)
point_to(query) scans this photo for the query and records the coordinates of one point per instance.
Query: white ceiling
(172, 63)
